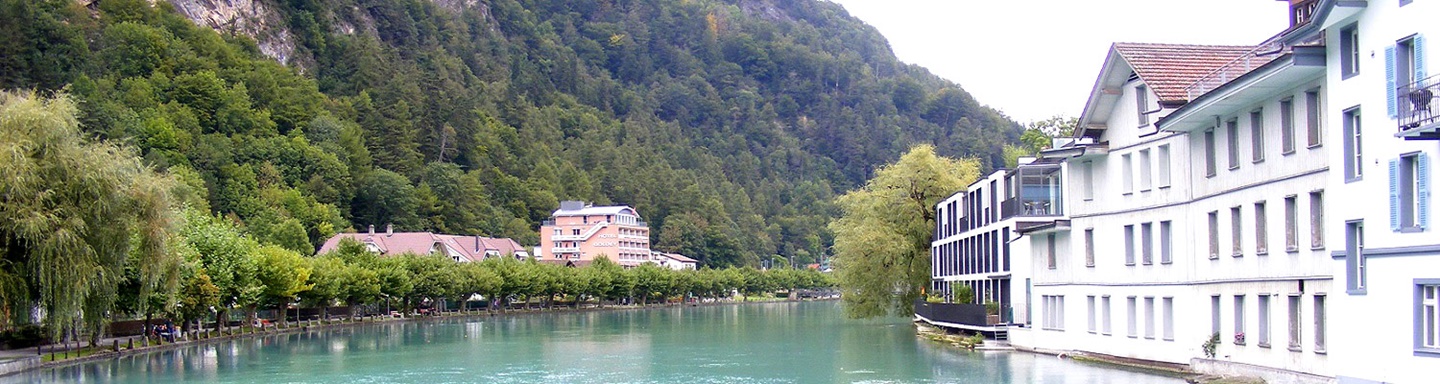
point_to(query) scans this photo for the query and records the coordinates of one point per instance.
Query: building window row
(1257, 133)
(982, 253)
(1151, 166)
(1146, 244)
(1134, 316)
(1264, 319)
(1261, 226)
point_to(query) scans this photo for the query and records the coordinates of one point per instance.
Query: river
(808, 342)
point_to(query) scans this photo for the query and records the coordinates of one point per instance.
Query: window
(1105, 315)
(1149, 317)
(1264, 302)
(1261, 244)
(1257, 136)
(1128, 174)
(1294, 312)
(1287, 126)
(1312, 118)
(1232, 138)
(1215, 314)
(1240, 319)
(1050, 250)
(1354, 152)
(1131, 328)
(1210, 152)
(1402, 69)
(1142, 105)
(1355, 256)
(1145, 170)
(1129, 245)
(575, 232)
(1054, 312)
(1235, 228)
(1317, 220)
(558, 232)
(1089, 247)
(1167, 313)
(1409, 192)
(1147, 243)
(1349, 51)
(1162, 159)
(1090, 318)
(1427, 298)
(1165, 242)
(1214, 234)
(1319, 323)
(1089, 180)
(1292, 235)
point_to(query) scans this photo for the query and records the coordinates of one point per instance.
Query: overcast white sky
(1033, 59)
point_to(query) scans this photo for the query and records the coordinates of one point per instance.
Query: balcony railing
(1416, 104)
(559, 250)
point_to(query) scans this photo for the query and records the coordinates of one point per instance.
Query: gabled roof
(472, 248)
(1168, 68)
(677, 257)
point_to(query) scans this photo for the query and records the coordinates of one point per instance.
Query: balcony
(1035, 192)
(1415, 105)
(560, 250)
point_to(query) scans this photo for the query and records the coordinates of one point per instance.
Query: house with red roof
(457, 247)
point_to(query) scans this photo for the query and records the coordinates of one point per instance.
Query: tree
(229, 257)
(73, 214)
(327, 282)
(882, 238)
(284, 274)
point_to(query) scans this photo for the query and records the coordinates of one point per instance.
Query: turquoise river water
(808, 342)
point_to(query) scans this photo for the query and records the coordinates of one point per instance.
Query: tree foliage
(738, 125)
(882, 244)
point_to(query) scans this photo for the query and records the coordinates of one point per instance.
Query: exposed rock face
(251, 18)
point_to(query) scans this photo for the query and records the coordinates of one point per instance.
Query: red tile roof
(472, 248)
(1168, 68)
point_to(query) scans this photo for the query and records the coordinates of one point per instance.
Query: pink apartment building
(579, 232)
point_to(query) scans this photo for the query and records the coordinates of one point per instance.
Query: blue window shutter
(1390, 81)
(1422, 183)
(1419, 43)
(1395, 194)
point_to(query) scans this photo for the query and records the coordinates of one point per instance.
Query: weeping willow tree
(882, 238)
(73, 214)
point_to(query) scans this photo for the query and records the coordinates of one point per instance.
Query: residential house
(673, 261)
(1195, 171)
(457, 247)
(1386, 254)
(975, 232)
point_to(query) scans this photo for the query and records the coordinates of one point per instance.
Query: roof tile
(1168, 68)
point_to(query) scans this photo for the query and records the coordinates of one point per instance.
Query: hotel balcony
(1416, 105)
(1034, 190)
(560, 250)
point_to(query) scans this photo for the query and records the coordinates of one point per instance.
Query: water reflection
(759, 343)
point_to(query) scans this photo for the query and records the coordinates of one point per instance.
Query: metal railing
(1247, 62)
(1416, 104)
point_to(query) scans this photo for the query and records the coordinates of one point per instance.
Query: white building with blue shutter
(1386, 250)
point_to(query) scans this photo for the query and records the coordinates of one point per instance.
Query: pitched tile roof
(472, 248)
(1168, 68)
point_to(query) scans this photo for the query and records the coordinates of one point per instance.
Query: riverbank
(26, 360)
(1180, 371)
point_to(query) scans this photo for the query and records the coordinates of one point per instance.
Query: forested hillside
(730, 124)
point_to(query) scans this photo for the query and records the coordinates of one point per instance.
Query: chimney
(389, 230)
(477, 244)
(372, 229)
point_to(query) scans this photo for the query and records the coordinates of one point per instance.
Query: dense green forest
(730, 125)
